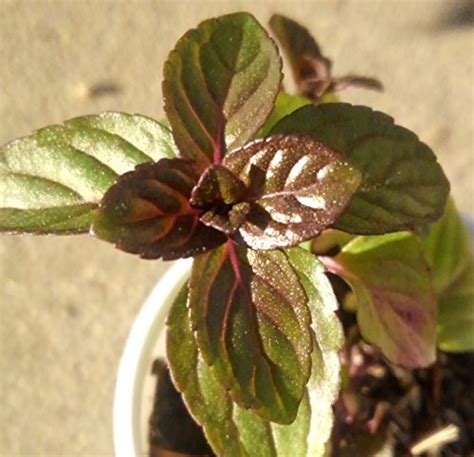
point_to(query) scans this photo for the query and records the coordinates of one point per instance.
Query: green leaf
(235, 432)
(447, 251)
(324, 383)
(251, 322)
(284, 104)
(403, 186)
(456, 314)
(299, 186)
(152, 138)
(220, 84)
(329, 241)
(147, 212)
(52, 180)
(396, 307)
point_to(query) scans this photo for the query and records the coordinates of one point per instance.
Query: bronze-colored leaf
(221, 81)
(304, 54)
(301, 187)
(311, 69)
(147, 212)
(252, 325)
(364, 82)
(233, 431)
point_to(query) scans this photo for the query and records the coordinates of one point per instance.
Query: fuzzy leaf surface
(403, 186)
(52, 180)
(252, 323)
(300, 187)
(396, 306)
(220, 84)
(236, 432)
(450, 257)
(147, 212)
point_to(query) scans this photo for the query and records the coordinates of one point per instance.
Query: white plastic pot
(135, 386)
(134, 391)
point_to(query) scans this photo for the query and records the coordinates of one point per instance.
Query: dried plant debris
(388, 410)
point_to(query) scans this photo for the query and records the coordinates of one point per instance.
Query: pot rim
(134, 363)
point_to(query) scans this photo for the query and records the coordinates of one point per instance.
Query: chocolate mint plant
(240, 177)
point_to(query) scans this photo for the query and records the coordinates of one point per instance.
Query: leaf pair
(273, 193)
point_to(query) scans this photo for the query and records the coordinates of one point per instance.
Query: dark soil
(381, 407)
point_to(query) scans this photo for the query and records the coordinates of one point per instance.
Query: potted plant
(315, 260)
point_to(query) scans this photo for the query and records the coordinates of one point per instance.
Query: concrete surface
(67, 304)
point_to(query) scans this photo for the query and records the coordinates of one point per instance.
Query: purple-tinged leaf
(396, 306)
(252, 325)
(304, 54)
(311, 69)
(220, 84)
(147, 212)
(403, 186)
(233, 431)
(300, 187)
(363, 82)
